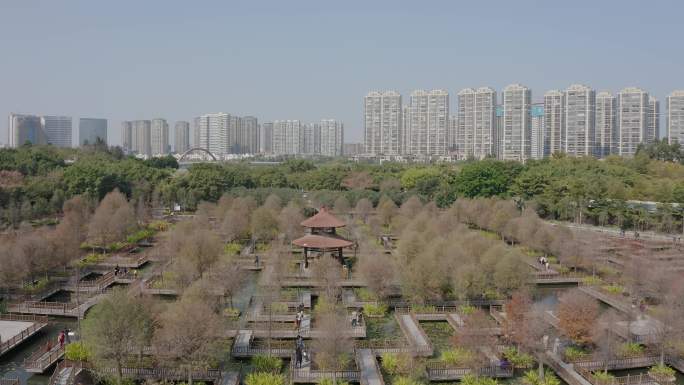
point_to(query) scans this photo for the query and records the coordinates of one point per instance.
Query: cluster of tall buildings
(54, 130)
(292, 137)
(224, 134)
(576, 121)
(145, 137)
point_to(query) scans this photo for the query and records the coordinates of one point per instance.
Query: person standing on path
(60, 339)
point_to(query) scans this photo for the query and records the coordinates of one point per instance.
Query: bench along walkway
(414, 333)
(31, 325)
(369, 370)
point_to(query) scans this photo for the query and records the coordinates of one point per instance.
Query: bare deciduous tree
(178, 339)
(577, 314)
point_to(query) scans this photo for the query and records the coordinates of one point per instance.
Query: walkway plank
(370, 372)
(416, 337)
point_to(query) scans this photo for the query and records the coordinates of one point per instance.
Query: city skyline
(84, 80)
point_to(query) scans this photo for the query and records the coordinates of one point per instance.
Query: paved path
(370, 373)
(415, 335)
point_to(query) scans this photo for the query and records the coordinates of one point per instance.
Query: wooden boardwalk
(63, 309)
(42, 359)
(414, 333)
(33, 324)
(369, 370)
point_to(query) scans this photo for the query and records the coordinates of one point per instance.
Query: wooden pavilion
(322, 235)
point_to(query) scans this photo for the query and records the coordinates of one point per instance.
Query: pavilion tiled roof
(313, 241)
(322, 219)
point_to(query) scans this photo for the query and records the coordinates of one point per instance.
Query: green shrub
(602, 377)
(518, 359)
(471, 379)
(661, 372)
(279, 307)
(458, 357)
(563, 269)
(90, 259)
(330, 381)
(375, 309)
(613, 289)
(531, 377)
(76, 351)
(390, 363)
(467, 309)
(264, 378)
(365, 295)
(263, 363)
(231, 312)
(232, 248)
(573, 354)
(115, 246)
(158, 225)
(140, 235)
(592, 281)
(396, 363)
(423, 309)
(403, 380)
(630, 349)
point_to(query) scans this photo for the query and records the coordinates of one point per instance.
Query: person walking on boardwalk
(298, 357)
(60, 339)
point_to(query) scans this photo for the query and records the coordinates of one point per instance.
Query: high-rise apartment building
(675, 117)
(127, 136)
(181, 137)
(310, 139)
(141, 144)
(454, 134)
(653, 125)
(554, 122)
(91, 130)
(196, 132)
(382, 123)
(580, 110)
(286, 137)
(25, 129)
(517, 133)
(267, 137)
(248, 135)
(159, 137)
(351, 149)
(606, 115)
(499, 130)
(332, 137)
(476, 129)
(537, 126)
(428, 120)
(57, 130)
(213, 133)
(632, 120)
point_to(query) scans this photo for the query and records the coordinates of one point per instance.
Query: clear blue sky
(288, 59)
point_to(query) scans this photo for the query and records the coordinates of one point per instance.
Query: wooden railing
(618, 363)
(639, 379)
(440, 370)
(24, 317)
(41, 359)
(9, 381)
(164, 373)
(314, 376)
